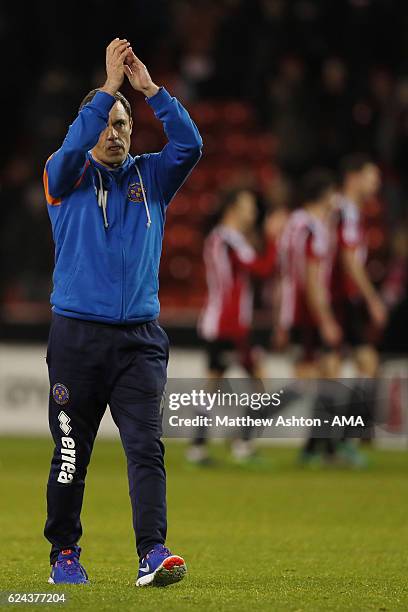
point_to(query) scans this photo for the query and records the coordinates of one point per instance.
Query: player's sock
(198, 454)
(362, 403)
(242, 450)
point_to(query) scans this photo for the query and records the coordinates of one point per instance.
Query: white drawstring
(149, 221)
(102, 195)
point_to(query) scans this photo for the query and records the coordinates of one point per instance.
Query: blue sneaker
(160, 568)
(67, 568)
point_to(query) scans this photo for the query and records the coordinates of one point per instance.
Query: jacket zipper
(122, 222)
(122, 313)
(123, 307)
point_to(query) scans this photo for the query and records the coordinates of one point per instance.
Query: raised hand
(139, 76)
(116, 54)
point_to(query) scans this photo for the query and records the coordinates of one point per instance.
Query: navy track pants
(90, 366)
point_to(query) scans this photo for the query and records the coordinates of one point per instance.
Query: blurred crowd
(275, 86)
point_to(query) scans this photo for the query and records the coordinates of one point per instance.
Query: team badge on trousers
(60, 394)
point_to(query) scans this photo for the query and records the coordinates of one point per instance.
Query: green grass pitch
(277, 539)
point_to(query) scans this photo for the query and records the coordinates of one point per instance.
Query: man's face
(114, 142)
(246, 209)
(328, 199)
(369, 181)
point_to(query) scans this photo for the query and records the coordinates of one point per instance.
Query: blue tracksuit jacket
(108, 224)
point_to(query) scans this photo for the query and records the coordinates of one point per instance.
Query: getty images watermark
(206, 401)
(284, 407)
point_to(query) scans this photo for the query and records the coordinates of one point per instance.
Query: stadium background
(276, 87)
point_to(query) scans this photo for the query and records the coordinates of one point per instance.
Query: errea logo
(68, 457)
(64, 422)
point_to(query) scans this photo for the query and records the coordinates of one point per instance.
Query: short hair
(230, 197)
(118, 97)
(355, 162)
(315, 184)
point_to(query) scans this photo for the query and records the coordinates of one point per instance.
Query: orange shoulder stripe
(57, 201)
(50, 200)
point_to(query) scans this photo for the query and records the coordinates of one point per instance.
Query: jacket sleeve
(183, 150)
(261, 265)
(64, 168)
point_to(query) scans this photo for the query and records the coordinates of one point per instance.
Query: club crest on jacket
(135, 193)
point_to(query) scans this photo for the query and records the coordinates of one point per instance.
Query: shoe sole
(52, 581)
(172, 570)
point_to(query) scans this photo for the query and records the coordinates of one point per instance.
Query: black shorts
(222, 353)
(354, 320)
(309, 338)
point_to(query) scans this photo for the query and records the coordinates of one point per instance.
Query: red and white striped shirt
(349, 235)
(230, 261)
(304, 238)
